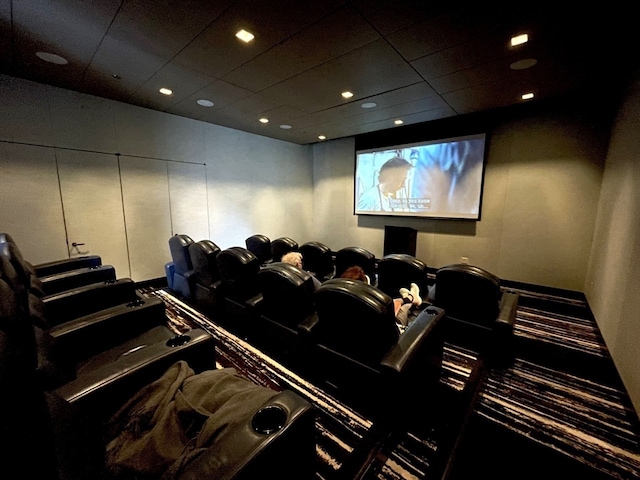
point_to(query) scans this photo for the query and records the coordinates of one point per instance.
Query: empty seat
(359, 352)
(239, 291)
(287, 301)
(281, 246)
(180, 271)
(399, 270)
(318, 259)
(479, 314)
(260, 246)
(206, 280)
(349, 256)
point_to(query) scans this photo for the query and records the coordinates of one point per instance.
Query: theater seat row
(275, 306)
(57, 390)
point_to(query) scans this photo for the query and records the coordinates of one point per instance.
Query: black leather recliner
(287, 301)
(206, 281)
(180, 270)
(56, 276)
(399, 270)
(260, 246)
(67, 433)
(360, 354)
(349, 256)
(239, 291)
(480, 315)
(317, 258)
(281, 246)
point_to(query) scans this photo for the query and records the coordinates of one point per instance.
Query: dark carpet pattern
(564, 410)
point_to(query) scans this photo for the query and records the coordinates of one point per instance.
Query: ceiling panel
(417, 60)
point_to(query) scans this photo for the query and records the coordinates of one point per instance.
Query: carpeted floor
(559, 409)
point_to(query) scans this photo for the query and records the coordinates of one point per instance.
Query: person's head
(355, 273)
(393, 174)
(293, 258)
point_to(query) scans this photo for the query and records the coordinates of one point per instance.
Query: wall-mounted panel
(145, 192)
(30, 206)
(188, 193)
(92, 200)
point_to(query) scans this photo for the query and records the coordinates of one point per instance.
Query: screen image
(439, 179)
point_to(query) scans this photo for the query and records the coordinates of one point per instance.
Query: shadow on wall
(451, 227)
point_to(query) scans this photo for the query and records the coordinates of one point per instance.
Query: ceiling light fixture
(527, 96)
(116, 76)
(264, 120)
(322, 137)
(347, 94)
(165, 91)
(52, 58)
(369, 105)
(519, 39)
(523, 64)
(245, 36)
(285, 126)
(205, 103)
(398, 122)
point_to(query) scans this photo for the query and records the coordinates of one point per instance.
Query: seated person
(404, 306)
(295, 259)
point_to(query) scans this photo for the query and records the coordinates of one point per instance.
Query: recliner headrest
(399, 270)
(317, 258)
(179, 248)
(260, 246)
(287, 292)
(350, 256)
(355, 319)
(281, 246)
(203, 260)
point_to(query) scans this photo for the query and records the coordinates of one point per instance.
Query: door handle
(75, 244)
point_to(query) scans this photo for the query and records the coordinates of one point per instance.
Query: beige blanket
(173, 420)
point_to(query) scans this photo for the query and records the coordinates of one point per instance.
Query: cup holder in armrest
(432, 311)
(178, 340)
(136, 303)
(269, 419)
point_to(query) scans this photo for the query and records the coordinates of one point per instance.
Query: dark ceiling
(416, 60)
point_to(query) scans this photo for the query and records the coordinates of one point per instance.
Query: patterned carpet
(558, 409)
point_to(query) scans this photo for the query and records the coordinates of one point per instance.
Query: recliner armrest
(277, 442)
(507, 314)
(101, 330)
(110, 378)
(65, 264)
(59, 282)
(305, 328)
(421, 331)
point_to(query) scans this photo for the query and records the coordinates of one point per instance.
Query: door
(92, 201)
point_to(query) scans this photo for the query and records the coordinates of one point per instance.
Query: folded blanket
(174, 419)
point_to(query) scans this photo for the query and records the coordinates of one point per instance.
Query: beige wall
(613, 279)
(540, 197)
(239, 183)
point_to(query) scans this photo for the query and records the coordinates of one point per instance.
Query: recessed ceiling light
(245, 36)
(369, 105)
(165, 91)
(52, 58)
(527, 96)
(523, 64)
(519, 39)
(264, 120)
(398, 122)
(347, 94)
(116, 76)
(285, 126)
(322, 137)
(205, 103)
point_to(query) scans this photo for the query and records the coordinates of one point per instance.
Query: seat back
(468, 293)
(355, 319)
(350, 256)
(399, 270)
(179, 248)
(203, 256)
(287, 294)
(281, 246)
(238, 269)
(260, 246)
(317, 258)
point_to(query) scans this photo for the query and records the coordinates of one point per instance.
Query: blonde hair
(293, 258)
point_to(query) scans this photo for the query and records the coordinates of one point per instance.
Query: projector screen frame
(421, 207)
